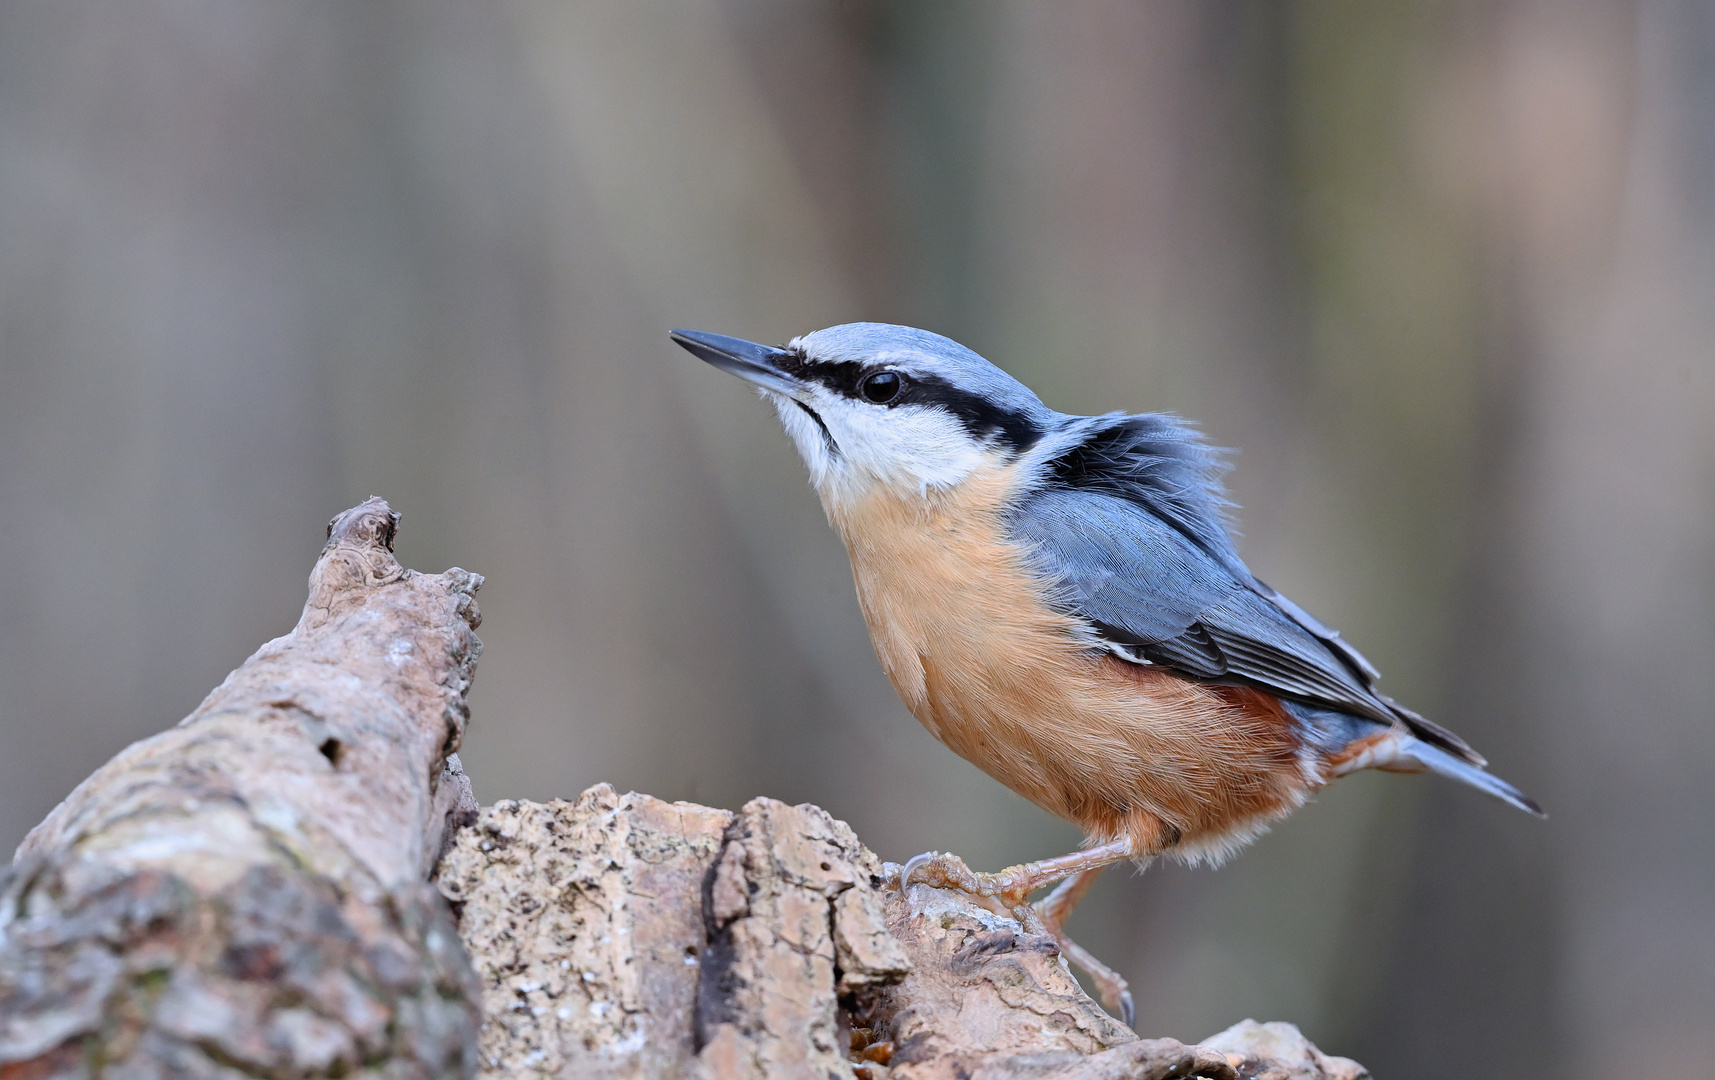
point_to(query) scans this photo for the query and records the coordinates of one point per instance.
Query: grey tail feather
(1437, 760)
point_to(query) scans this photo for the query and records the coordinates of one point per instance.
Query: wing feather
(1156, 593)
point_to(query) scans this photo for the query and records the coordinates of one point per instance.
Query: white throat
(910, 448)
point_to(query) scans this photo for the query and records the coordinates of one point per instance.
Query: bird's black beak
(751, 362)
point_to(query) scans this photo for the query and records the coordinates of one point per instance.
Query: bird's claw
(915, 864)
(943, 870)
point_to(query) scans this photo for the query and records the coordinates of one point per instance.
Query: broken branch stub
(244, 894)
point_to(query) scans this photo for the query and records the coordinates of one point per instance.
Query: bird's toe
(944, 870)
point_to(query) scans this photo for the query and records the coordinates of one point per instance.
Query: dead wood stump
(621, 937)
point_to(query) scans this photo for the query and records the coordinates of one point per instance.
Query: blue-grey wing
(1159, 597)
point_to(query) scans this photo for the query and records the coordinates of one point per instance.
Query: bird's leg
(1057, 906)
(1053, 910)
(1014, 884)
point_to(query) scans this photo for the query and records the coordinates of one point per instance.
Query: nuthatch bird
(1058, 600)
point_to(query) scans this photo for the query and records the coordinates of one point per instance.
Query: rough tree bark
(244, 894)
(247, 895)
(619, 936)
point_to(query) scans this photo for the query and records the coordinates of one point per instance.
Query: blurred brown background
(1444, 271)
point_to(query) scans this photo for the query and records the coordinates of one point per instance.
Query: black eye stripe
(982, 418)
(842, 377)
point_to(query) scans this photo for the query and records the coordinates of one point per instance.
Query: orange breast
(963, 631)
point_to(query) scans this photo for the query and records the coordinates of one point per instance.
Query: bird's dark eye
(882, 387)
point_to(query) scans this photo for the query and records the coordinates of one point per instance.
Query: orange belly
(964, 633)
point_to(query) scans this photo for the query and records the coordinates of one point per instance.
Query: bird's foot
(1013, 885)
(944, 870)
(1008, 892)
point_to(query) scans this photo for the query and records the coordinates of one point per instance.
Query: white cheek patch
(908, 447)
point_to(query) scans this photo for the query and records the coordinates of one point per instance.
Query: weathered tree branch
(246, 895)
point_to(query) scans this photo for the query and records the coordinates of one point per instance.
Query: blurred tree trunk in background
(1587, 162)
(1441, 271)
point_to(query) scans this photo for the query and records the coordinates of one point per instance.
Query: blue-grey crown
(991, 403)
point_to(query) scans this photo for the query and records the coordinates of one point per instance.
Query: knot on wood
(371, 523)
